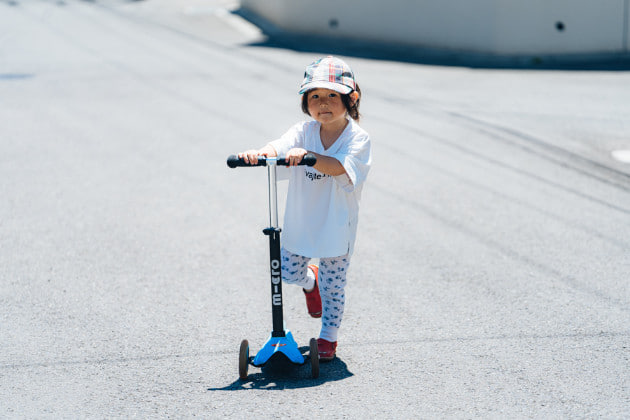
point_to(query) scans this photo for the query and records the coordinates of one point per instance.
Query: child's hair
(353, 109)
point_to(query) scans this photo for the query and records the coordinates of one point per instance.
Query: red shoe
(326, 350)
(313, 299)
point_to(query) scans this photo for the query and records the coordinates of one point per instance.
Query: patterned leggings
(332, 281)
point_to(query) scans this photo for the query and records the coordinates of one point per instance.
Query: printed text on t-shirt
(315, 176)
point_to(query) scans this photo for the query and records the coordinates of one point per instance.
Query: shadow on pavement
(328, 45)
(278, 374)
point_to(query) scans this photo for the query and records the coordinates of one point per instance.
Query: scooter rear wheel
(314, 354)
(243, 360)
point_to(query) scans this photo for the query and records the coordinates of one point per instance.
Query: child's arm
(325, 164)
(251, 156)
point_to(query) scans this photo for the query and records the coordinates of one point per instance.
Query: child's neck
(329, 133)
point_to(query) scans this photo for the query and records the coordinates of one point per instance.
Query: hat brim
(337, 87)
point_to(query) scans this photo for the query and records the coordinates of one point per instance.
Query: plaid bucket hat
(329, 73)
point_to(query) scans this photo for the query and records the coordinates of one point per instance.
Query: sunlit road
(491, 271)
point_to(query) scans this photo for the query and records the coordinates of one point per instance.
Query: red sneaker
(313, 299)
(326, 350)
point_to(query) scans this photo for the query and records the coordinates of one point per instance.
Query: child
(323, 201)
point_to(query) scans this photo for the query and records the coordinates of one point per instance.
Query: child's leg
(294, 270)
(332, 282)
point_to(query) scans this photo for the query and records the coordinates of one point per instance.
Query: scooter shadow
(279, 374)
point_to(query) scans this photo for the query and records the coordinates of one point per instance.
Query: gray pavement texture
(490, 277)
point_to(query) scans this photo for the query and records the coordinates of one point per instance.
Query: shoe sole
(327, 359)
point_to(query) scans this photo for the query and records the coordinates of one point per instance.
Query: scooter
(280, 341)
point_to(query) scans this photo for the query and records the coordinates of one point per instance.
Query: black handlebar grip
(233, 161)
(309, 159)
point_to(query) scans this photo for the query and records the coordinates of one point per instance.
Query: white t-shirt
(322, 211)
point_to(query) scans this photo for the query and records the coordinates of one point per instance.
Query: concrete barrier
(507, 27)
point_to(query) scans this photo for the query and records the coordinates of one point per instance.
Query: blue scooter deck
(285, 345)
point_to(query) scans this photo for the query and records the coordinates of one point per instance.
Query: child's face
(325, 106)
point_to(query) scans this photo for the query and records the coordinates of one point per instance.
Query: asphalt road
(491, 271)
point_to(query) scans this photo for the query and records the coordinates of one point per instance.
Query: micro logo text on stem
(276, 296)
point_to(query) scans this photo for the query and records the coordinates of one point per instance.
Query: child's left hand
(294, 156)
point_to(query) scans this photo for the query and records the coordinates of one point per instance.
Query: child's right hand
(251, 156)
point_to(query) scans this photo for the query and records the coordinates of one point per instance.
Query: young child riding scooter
(323, 201)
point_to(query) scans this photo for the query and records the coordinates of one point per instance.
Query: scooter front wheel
(314, 354)
(243, 360)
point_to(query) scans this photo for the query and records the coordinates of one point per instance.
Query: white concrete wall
(487, 26)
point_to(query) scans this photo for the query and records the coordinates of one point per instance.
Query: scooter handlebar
(234, 161)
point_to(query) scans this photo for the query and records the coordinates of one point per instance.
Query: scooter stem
(273, 194)
(275, 264)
